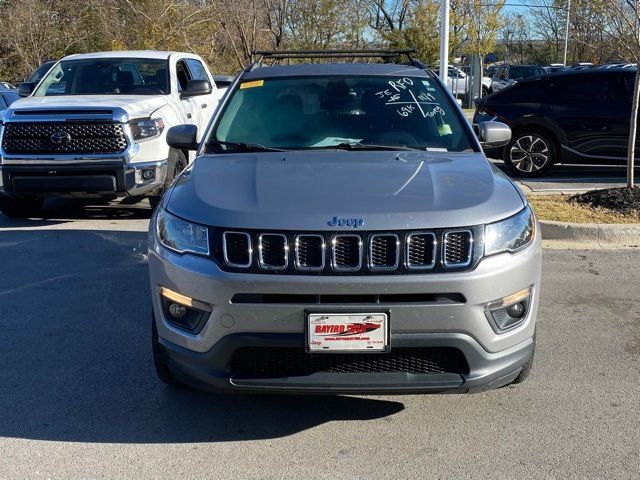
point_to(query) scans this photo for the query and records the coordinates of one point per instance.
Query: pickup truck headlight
(181, 236)
(146, 128)
(510, 235)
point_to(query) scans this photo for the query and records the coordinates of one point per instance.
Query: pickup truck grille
(28, 138)
(338, 253)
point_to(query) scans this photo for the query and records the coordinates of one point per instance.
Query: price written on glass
(425, 103)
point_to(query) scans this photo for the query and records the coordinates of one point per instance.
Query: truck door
(188, 104)
(204, 104)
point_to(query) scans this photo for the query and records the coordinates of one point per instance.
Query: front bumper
(203, 359)
(82, 179)
(210, 370)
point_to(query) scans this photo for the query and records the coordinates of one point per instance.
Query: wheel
(159, 360)
(175, 164)
(530, 153)
(485, 92)
(526, 368)
(14, 207)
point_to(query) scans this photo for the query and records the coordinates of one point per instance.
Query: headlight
(181, 236)
(510, 235)
(146, 129)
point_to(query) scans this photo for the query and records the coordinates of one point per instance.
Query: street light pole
(444, 40)
(566, 33)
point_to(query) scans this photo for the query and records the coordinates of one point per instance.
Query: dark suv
(568, 117)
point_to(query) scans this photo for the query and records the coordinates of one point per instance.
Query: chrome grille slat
(384, 251)
(237, 249)
(273, 251)
(457, 248)
(310, 251)
(421, 250)
(346, 253)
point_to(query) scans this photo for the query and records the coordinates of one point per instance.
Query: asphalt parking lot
(80, 398)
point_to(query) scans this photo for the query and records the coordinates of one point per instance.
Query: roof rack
(387, 55)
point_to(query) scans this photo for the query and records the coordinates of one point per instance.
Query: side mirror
(197, 87)
(183, 137)
(26, 88)
(493, 134)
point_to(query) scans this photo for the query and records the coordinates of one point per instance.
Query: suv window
(519, 72)
(321, 112)
(106, 76)
(586, 90)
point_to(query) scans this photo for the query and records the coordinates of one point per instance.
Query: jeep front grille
(331, 253)
(63, 137)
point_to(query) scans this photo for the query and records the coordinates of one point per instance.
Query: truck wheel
(20, 207)
(530, 153)
(175, 164)
(159, 360)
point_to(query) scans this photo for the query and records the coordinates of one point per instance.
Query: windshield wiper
(365, 146)
(246, 147)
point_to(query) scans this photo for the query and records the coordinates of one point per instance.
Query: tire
(159, 360)
(485, 92)
(530, 153)
(175, 164)
(14, 207)
(526, 368)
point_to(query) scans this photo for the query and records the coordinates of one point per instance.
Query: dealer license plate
(347, 332)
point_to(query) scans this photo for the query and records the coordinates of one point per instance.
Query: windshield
(334, 112)
(518, 73)
(106, 76)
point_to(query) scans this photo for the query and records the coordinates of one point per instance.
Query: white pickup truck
(95, 126)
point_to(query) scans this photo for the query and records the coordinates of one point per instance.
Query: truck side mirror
(183, 137)
(197, 87)
(493, 134)
(26, 88)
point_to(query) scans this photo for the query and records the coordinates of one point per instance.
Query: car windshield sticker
(255, 83)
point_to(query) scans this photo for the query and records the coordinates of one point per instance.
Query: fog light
(516, 310)
(510, 311)
(184, 312)
(177, 311)
(148, 173)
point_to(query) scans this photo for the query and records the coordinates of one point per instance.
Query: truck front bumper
(82, 179)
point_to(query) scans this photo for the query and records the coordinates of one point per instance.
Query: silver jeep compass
(341, 231)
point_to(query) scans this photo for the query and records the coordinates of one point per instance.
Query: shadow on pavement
(62, 210)
(75, 354)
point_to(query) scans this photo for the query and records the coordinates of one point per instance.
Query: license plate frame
(340, 325)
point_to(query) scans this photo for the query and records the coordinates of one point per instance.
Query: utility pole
(566, 33)
(444, 40)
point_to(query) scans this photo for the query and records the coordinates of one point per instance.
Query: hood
(134, 105)
(305, 190)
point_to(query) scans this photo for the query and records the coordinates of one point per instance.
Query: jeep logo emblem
(60, 138)
(346, 222)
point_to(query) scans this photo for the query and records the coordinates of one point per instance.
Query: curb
(596, 234)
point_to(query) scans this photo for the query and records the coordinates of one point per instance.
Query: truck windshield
(339, 112)
(106, 76)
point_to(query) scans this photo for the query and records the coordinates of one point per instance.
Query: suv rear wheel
(175, 164)
(14, 207)
(530, 153)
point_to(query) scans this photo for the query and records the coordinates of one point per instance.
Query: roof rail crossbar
(385, 54)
